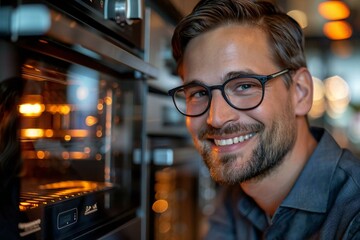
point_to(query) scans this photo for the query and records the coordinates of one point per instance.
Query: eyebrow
(234, 74)
(227, 76)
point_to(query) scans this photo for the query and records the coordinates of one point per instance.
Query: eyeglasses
(243, 92)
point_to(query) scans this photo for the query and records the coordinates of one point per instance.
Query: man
(247, 92)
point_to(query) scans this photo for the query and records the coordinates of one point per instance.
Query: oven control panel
(123, 12)
(67, 218)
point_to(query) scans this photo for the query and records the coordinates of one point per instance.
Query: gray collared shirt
(324, 203)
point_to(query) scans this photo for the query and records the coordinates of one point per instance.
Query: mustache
(208, 130)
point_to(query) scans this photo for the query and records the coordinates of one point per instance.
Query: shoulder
(353, 230)
(350, 166)
(344, 197)
(345, 185)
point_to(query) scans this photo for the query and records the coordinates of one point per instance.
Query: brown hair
(285, 36)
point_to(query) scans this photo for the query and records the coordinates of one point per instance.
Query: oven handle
(38, 20)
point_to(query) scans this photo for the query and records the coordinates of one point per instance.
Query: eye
(243, 86)
(196, 93)
(240, 86)
(199, 94)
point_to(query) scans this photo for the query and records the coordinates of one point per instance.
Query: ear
(303, 91)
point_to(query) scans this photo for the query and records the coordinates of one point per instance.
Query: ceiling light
(337, 30)
(300, 17)
(334, 10)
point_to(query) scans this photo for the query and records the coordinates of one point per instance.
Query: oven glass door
(79, 128)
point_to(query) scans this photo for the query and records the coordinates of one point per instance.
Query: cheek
(275, 109)
(276, 101)
(194, 125)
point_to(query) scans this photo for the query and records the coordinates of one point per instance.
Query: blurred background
(332, 47)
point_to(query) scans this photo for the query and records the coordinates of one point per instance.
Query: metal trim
(68, 31)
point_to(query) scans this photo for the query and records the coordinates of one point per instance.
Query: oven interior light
(91, 121)
(31, 109)
(32, 133)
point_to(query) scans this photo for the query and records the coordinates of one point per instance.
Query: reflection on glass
(78, 130)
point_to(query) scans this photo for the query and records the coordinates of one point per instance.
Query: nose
(220, 112)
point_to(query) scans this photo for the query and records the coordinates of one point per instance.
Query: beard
(273, 145)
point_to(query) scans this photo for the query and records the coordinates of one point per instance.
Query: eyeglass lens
(240, 93)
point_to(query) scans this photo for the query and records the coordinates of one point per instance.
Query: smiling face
(239, 145)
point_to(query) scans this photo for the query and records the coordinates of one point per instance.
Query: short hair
(285, 36)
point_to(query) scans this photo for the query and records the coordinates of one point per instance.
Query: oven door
(81, 118)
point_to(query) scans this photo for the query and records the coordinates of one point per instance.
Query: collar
(311, 191)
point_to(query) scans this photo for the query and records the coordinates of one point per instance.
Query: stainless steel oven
(81, 116)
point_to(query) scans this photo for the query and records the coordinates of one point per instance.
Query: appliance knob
(123, 12)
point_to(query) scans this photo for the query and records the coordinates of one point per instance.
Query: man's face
(239, 145)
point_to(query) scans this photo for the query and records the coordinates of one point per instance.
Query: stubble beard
(265, 158)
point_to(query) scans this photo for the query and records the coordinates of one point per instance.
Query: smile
(230, 141)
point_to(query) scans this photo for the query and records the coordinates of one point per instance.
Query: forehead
(213, 54)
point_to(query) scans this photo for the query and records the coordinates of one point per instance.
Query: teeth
(224, 142)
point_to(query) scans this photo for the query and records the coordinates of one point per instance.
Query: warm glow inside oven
(78, 130)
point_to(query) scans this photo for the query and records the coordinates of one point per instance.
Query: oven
(81, 116)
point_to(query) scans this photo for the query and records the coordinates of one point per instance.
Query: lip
(231, 143)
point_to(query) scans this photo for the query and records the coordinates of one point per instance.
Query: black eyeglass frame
(263, 79)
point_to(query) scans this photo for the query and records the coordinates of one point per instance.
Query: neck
(270, 191)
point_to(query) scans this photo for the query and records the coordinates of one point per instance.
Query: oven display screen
(67, 218)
